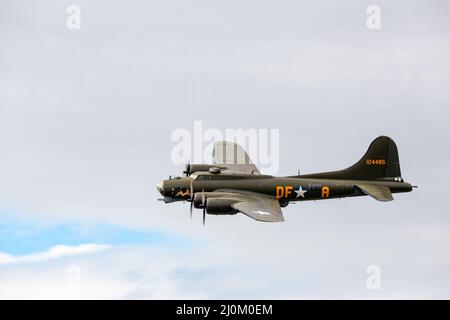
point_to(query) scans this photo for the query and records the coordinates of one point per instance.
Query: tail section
(380, 161)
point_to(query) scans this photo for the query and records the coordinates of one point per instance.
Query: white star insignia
(300, 192)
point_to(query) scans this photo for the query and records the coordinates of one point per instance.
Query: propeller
(204, 206)
(192, 198)
(187, 169)
(204, 216)
(203, 202)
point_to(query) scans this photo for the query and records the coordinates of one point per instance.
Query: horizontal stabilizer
(378, 192)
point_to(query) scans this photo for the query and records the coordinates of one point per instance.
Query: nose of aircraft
(160, 187)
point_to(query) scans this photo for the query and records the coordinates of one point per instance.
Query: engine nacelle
(213, 204)
(193, 168)
(200, 200)
(220, 206)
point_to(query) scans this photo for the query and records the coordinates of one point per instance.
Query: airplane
(233, 184)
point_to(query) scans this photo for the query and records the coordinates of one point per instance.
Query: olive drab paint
(229, 188)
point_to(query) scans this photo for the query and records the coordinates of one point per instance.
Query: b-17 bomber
(233, 184)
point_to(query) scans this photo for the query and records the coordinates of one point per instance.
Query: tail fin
(380, 161)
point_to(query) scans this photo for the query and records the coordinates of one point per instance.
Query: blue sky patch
(20, 236)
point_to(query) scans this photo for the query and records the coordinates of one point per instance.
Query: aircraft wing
(262, 210)
(378, 192)
(234, 158)
(254, 205)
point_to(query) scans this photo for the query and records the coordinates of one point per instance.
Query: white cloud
(5, 258)
(266, 269)
(121, 272)
(85, 125)
(53, 253)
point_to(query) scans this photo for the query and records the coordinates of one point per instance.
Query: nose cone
(160, 187)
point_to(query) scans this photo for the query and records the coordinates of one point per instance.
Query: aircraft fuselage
(284, 189)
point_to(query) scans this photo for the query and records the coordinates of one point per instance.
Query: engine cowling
(193, 168)
(220, 206)
(214, 205)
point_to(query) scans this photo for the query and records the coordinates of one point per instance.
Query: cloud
(20, 235)
(211, 271)
(86, 118)
(53, 253)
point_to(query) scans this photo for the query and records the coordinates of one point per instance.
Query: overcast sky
(86, 118)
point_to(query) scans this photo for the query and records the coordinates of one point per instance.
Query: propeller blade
(204, 205)
(204, 215)
(187, 169)
(192, 204)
